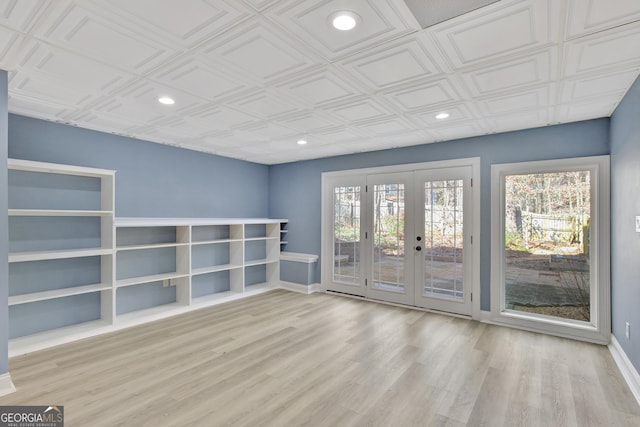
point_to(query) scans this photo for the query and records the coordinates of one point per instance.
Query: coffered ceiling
(251, 77)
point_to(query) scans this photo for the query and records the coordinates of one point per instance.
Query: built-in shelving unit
(61, 238)
(76, 271)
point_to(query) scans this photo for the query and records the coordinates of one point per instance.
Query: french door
(401, 237)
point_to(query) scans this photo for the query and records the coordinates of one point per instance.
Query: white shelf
(217, 298)
(58, 293)
(41, 340)
(159, 222)
(260, 262)
(150, 314)
(213, 242)
(57, 254)
(149, 246)
(214, 268)
(31, 166)
(148, 279)
(57, 212)
(298, 257)
(263, 238)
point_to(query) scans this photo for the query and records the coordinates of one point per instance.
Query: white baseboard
(627, 369)
(6, 385)
(297, 287)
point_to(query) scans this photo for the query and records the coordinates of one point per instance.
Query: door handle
(418, 248)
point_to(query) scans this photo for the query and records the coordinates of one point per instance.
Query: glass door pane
(443, 239)
(546, 229)
(390, 271)
(444, 271)
(388, 237)
(346, 235)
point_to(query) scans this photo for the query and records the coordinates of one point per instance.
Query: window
(550, 246)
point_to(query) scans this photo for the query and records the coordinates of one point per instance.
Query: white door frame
(328, 180)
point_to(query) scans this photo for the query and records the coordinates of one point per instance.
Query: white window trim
(599, 330)
(329, 178)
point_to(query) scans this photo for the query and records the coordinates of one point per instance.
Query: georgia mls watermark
(31, 416)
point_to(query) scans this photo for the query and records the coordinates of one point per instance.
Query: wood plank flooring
(286, 359)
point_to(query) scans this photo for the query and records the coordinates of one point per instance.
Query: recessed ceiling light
(442, 116)
(302, 142)
(344, 20)
(166, 100)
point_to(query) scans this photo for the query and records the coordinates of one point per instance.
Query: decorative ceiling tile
(21, 15)
(513, 75)
(590, 16)
(529, 119)
(600, 84)
(379, 21)
(529, 100)
(201, 80)
(498, 30)
(266, 104)
(139, 103)
(257, 49)
(61, 66)
(308, 122)
(88, 34)
(423, 95)
(184, 22)
(387, 126)
(26, 105)
(617, 47)
(587, 109)
(413, 58)
(358, 111)
(320, 88)
(457, 113)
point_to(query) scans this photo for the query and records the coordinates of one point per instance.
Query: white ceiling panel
(457, 113)
(589, 16)
(250, 77)
(496, 31)
(529, 100)
(266, 104)
(20, 15)
(91, 35)
(601, 84)
(185, 22)
(423, 95)
(259, 50)
(320, 88)
(515, 74)
(533, 118)
(618, 47)
(380, 21)
(388, 126)
(589, 109)
(361, 110)
(200, 80)
(309, 122)
(413, 58)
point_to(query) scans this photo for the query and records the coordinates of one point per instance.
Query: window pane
(547, 219)
(388, 237)
(346, 233)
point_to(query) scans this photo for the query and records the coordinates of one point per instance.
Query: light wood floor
(285, 359)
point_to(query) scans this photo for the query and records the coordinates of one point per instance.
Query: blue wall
(4, 224)
(295, 188)
(625, 205)
(152, 180)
